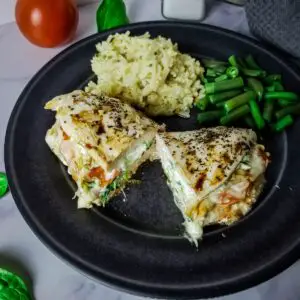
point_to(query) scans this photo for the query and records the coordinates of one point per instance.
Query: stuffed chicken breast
(101, 140)
(215, 174)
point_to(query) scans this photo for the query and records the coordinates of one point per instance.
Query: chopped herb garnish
(117, 184)
(148, 144)
(91, 184)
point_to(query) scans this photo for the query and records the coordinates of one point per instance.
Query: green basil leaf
(3, 184)
(12, 287)
(110, 14)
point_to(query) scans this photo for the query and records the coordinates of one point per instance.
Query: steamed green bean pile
(241, 91)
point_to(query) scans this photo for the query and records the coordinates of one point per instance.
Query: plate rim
(266, 272)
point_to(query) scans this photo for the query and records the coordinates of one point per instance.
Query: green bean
(253, 73)
(271, 88)
(257, 87)
(212, 63)
(285, 102)
(258, 119)
(221, 78)
(268, 110)
(273, 77)
(202, 103)
(263, 74)
(241, 63)
(293, 110)
(239, 101)
(233, 61)
(235, 115)
(251, 63)
(210, 73)
(220, 70)
(232, 72)
(210, 79)
(249, 121)
(283, 123)
(230, 84)
(215, 98)
(209, 116)
(220, 104)
(282, 95)
(278, 86)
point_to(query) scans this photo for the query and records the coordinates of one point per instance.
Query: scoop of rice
(150, 74)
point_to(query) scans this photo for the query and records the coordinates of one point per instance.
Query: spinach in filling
(117, 184)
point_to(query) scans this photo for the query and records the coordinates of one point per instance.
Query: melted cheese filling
(181, 188)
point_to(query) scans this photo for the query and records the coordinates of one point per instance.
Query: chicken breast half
(101, 140)
(215, 174)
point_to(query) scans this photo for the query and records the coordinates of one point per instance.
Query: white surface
(184, 9)
(7, 9)
(52, 278)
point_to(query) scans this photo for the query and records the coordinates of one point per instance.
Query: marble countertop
(51, 277)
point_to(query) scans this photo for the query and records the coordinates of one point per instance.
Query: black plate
(137, 245)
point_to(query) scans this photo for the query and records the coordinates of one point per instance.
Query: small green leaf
(3, 185)
(12, 287)
(110, 14)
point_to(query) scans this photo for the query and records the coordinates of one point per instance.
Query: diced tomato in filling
(228, 199)
(65, 136)
(99, 173)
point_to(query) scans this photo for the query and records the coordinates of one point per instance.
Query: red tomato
(47, 23)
